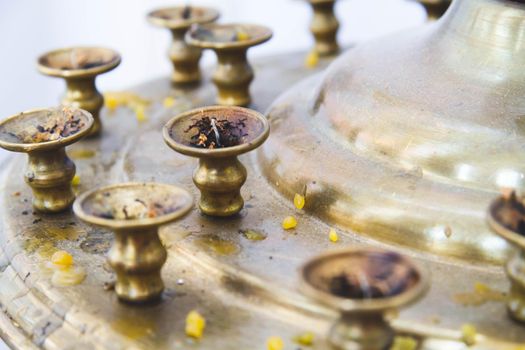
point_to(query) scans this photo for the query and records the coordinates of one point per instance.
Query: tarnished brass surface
(435, 8)
(80, 66)
(246, 289)
(220, 175)
(363, 323)
(418, 144)
(185, 58)
(324, 27)
(230, 42)
(500, 209)
(49, 171)
(134, 212)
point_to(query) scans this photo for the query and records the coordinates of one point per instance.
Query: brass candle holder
(435, 8)
(324, 27)
(134, 212)
(80, 66)
(220, 174)
(363, 285)
(230, 42)
(506, 218)
(43, 134)
(178, 20)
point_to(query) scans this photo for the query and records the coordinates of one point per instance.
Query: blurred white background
(31, 27)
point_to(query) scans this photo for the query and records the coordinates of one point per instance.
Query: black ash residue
(217, 133)
(57, 125)
(133, 210)
(511, 213)
(377, 277)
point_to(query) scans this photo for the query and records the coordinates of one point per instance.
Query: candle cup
(220, 175)
(504, 218)
(43, 134)
(134, 212)
(363, 285)
(80, 66)
(178, 20)
(230, 42)
(324, 27)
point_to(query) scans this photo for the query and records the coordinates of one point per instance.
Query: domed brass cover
(408, 138)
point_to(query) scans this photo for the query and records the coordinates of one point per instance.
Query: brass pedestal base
(49, 175)
(178, 20)
(361, 332)
(185, 60)
(324, 27)
(82, 93)
(230, 42)
(233, 77)
(516, 273)
(138, 277)
(79, 67)
(220, 181)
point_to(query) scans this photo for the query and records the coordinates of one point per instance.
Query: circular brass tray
(247, 290)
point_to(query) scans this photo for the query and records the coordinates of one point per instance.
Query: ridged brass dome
(407, 138)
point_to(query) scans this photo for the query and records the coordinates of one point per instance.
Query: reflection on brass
(178, 20)
(231, 43)
(80, 66)
(435, 8)
(43, 134)
(363, 285)
(409, 146)
(134, 212)
(324, 27)
(220, 174)
(506, 217)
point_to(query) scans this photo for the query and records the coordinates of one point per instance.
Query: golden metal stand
(134, 211)
(43, 134)
(324, 27)
(220, 175)
(178, 20)
(231, 42)
(80, 66)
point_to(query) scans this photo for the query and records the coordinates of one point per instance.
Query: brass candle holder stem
(324, 27)
(79, 67)
(233, 77)
(361, 331)
(435, 8)
(516, 272)
(43, 134)
(138, 273)
(219, 181)
(220, 175)
(49, 174)
(178, 20)
(134, 212)
(230, 42)
(185, 59)
(82, 93)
